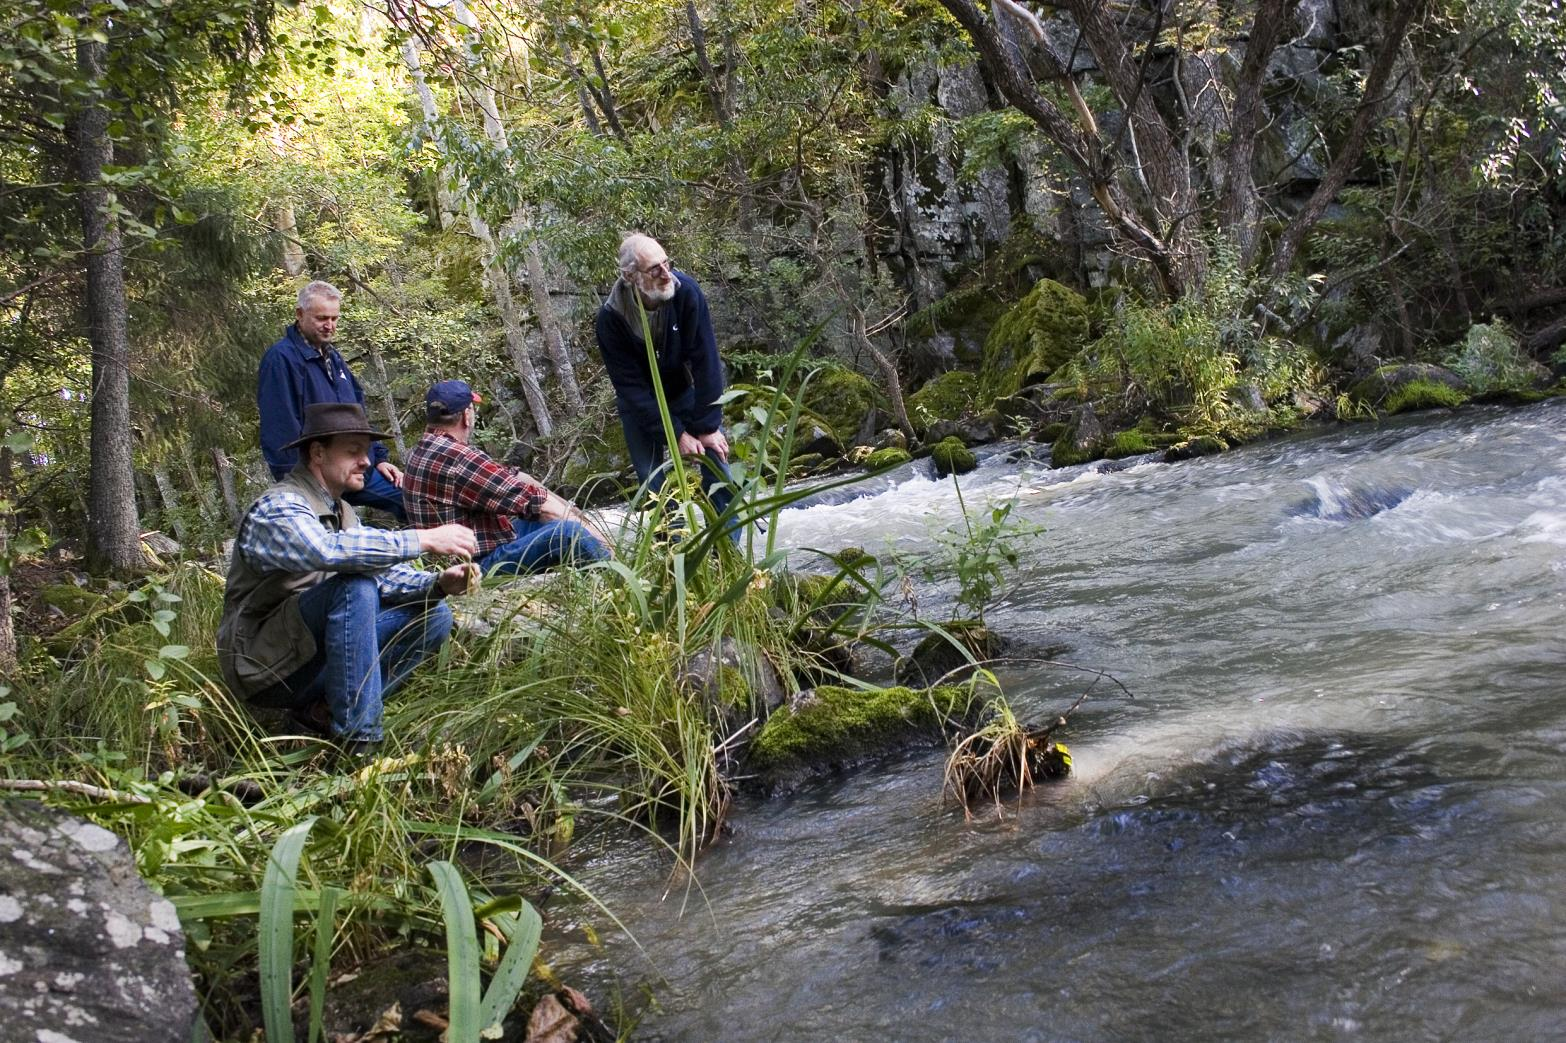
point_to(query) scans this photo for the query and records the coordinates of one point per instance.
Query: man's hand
(390, 473)
(448, 539)
(717, 443)
(461, 578)
(690, 445)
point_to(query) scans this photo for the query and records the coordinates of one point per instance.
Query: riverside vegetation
(571, 705)
(1234, 222)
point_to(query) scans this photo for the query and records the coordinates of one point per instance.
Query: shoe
(314, 718)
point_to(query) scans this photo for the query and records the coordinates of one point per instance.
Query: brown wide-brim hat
(329, 419)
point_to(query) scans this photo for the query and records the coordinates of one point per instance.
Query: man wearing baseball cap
(520, 525)
(321, 616)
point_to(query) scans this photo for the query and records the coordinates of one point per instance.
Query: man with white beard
(688, 366)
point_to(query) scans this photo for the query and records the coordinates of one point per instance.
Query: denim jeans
(381, 494)
(541, 544)
(363, 652)
(647, 453)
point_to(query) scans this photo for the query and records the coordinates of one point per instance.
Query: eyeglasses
(664, 265)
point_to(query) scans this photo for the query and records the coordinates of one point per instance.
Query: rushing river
(1335, 808)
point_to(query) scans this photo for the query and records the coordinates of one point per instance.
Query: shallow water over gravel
(1336, 808)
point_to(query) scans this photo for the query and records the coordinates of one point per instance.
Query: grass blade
(462, 954)
(325, 934)
(276, 941)
(525, 929)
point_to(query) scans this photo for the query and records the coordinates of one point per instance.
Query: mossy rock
(946, 397)
(831, 727)
(952, 457)
(1065, 452)
(74, 601)
(934, 659)
(1129, 443)
(599, 455)
(1422, 394)
(883, 458)
(841, 398)
(1377, 389)
(1039, 334)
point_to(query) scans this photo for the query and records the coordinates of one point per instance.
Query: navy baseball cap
(448, 399)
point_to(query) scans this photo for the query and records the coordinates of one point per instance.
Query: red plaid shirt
(446, 481)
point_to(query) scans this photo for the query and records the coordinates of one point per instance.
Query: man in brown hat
(320, 612)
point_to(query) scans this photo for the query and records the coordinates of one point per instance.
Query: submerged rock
(87, 950)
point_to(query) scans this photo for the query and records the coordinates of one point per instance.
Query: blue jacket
(295, 375)
(688, 360)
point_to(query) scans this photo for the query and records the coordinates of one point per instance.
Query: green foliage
(1128, 443)
(979, 556)
(1038, 335)
(1490, 360)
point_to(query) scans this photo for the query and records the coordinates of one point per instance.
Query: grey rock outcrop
(88, 953)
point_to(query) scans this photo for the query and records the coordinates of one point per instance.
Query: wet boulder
(937, 660)
(87, 950)
(950, 456)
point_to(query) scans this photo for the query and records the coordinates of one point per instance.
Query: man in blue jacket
(688, 366)
(303, 369)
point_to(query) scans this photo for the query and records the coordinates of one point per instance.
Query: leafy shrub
(1490, 359)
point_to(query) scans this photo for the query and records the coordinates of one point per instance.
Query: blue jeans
(647, 453)
(541, 544)
(362, 652)
(381, 494)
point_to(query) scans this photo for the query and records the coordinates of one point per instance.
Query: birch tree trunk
(495, 275)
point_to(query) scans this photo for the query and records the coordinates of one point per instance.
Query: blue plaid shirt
(282, 534)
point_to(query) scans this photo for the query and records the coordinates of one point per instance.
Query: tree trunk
(894, 383)
(7, 628)
(170, 499)
(1370, 105)
(293, 250)
(393, 421)
(225, 474)
(111, 507)
(203, 494)
(1240, 208)
(495, 274)
(549, 326)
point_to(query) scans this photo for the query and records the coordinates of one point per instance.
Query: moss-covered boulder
(1201, 445)
(830, 728)
(1406, 386)
(945, 397)
(952, 457)
(72, 601)
(601, 463)
(1081, 440)
(1422, 394)
(1037, 336)
(884, 458)
(842, 398)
